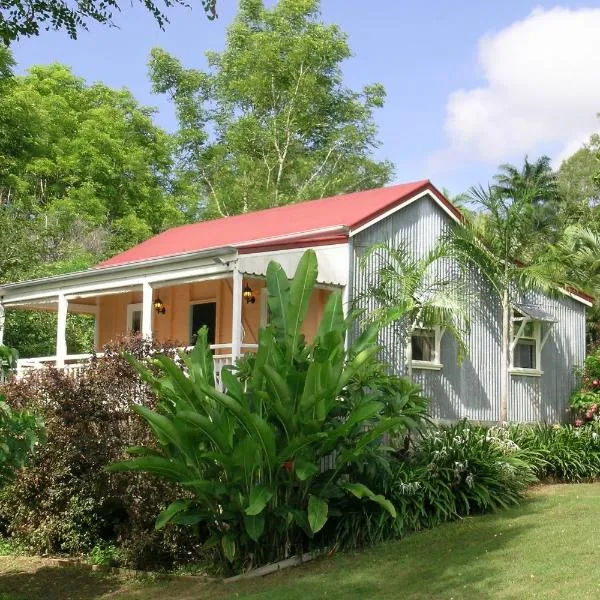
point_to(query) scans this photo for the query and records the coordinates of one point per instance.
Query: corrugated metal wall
(472, 389)
(545, 398)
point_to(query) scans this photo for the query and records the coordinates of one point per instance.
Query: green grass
(547, 548)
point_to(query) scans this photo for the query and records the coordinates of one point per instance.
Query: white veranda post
(61, 331)
(146, 310)
(236, 317)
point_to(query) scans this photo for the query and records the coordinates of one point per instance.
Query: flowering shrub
(585, 402)
(561, 452)
(452, 471)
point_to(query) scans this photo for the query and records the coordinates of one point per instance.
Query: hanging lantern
(159, 306)
(247, 295)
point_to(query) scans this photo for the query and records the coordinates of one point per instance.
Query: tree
(537, 181)
(497, 244)
(84, 173)
(271, 122)
(408, 293)
(578, 180)
(24, 18)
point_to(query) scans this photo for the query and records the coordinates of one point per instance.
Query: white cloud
(542, 91)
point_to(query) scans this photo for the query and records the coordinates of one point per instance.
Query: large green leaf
(362, 491)
(155, 465)
(259, 496)
(305, 469)
(255, 525)
(363, 357)
(229, 545)
(301, 289)
(200, 362)
(166, 515)
(208, 428)
(278, 287)
(333, 317)
(317, 513)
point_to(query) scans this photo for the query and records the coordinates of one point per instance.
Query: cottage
(212, 273)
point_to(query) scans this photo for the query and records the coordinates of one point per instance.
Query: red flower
(288, 465)
(578, 422)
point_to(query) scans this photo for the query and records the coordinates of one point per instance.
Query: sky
(470, 84)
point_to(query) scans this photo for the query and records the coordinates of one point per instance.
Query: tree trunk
(409, 369)
(505, 357)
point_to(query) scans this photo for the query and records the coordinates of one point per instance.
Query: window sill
(429, 366)
(526, 372)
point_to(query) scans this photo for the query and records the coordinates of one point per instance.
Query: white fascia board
(113, 280)
(581, 299)
(402, 205)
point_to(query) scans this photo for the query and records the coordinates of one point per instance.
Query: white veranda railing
(75, 364)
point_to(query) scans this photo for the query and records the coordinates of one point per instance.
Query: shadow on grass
(465, 559)
(55, 583)
(460, 560)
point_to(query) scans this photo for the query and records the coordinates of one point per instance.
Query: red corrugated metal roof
(307, 223)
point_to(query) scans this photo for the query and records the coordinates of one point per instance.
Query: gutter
(123, 268)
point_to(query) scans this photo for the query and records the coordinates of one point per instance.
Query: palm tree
(496, 243)
(409, 293)
(579, 249)
(535, 180)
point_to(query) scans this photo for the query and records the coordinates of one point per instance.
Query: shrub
(585, 402)
(561, 453)
(268, 462)
(453, 471)
(65, 501)
(20, 432)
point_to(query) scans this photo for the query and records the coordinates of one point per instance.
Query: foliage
(65, 501)
(270, 122)
(8, 360)
(537, 182)
(510, 249)
(84, 173)
(407, 292)
(20, 18)
(105, 555)
(452, 472)
(578, 180)
(563, 453)
(34, 332)
(267, 461)
(20, 432)
(585, 402)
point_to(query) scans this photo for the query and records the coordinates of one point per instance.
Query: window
(203, 314)
(134, 318)
(525, 350)
(526, 343)
(425, 347)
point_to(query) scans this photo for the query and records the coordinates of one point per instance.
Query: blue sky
(470, 84)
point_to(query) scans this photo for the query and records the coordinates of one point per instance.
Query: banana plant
(265, 462)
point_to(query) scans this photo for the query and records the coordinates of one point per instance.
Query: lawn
(547, 548)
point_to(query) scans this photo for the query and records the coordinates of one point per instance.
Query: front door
(203, 314)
